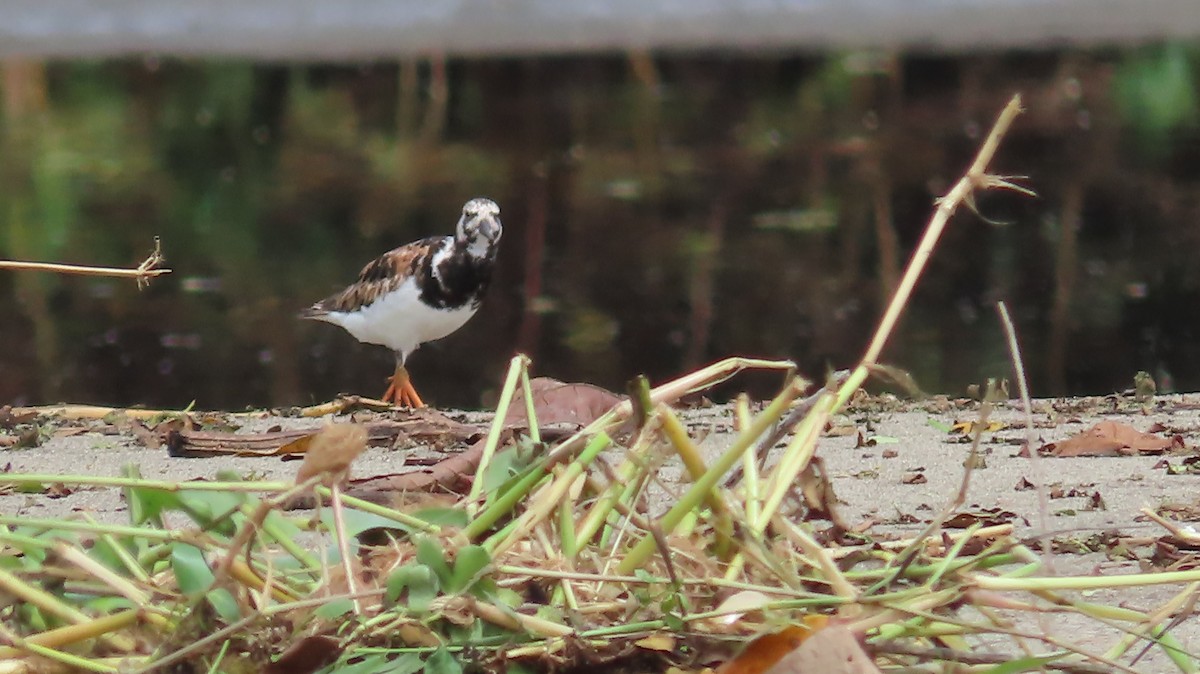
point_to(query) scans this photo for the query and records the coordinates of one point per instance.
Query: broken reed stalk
(148, 269)
(803, 445)
(701, 487)
(518, 365)
(567, 449)
(976, 178)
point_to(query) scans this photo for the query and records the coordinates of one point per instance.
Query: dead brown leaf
(332, 450)
(309, 654)
(1111, 438)
(556, 402)
(831, 650)
(58, 490)
(987, 517)
(767, 650)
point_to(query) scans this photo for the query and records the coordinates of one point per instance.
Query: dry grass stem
(147, 270)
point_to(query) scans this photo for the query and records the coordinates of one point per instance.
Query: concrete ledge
(356, 29)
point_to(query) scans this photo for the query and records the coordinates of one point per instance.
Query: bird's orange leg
(400, 390)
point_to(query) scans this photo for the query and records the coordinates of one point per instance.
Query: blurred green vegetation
(661, 211)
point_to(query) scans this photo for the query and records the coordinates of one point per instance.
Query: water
(659, 214)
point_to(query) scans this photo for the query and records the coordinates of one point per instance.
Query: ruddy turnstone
(419, 292)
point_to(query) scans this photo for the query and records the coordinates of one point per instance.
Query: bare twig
(975, 178)
(145, 271)
(1039, 474)
(936, 653)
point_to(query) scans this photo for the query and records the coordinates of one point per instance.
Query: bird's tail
(316, 312)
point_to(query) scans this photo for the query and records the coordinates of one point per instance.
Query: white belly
(401, 321)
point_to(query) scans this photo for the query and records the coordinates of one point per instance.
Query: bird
(419, 292)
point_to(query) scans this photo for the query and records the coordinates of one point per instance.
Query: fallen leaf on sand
(832, 650)
(556, 402)
(988, 517)
(1110, 438)
(765, 651)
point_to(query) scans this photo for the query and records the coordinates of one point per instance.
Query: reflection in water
(662, 213)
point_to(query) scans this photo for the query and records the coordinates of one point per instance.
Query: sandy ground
(871, 481)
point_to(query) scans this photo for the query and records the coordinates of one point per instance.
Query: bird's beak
(488, 226)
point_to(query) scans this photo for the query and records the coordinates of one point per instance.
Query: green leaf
(371, 664)
(224, 604)
(1026, 664)
(429, 553)
(105, 605)
(469, 563)
(442, 662)
(443, 517)
(207, 507)
(192, 573)
(335, 608)
(32, 616)
(506, 596)
(146, 504)
(194, 577)
(551, 613)
(407, 663)
(503, 468)
(938, 426)
(358, 521)
(104, 552)
(420, 582)
(30, 487)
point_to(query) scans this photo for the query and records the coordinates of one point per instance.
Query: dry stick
(143, 273)
(937, 653)
(801, 450)
(1035, 459)
(1183, 606)
(975, 178)
(1039, 475)
(343, 543)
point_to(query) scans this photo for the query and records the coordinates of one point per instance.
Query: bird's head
(479, 227)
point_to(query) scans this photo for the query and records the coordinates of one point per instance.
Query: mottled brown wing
(380, 276)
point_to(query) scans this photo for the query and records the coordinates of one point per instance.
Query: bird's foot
(402, 395)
